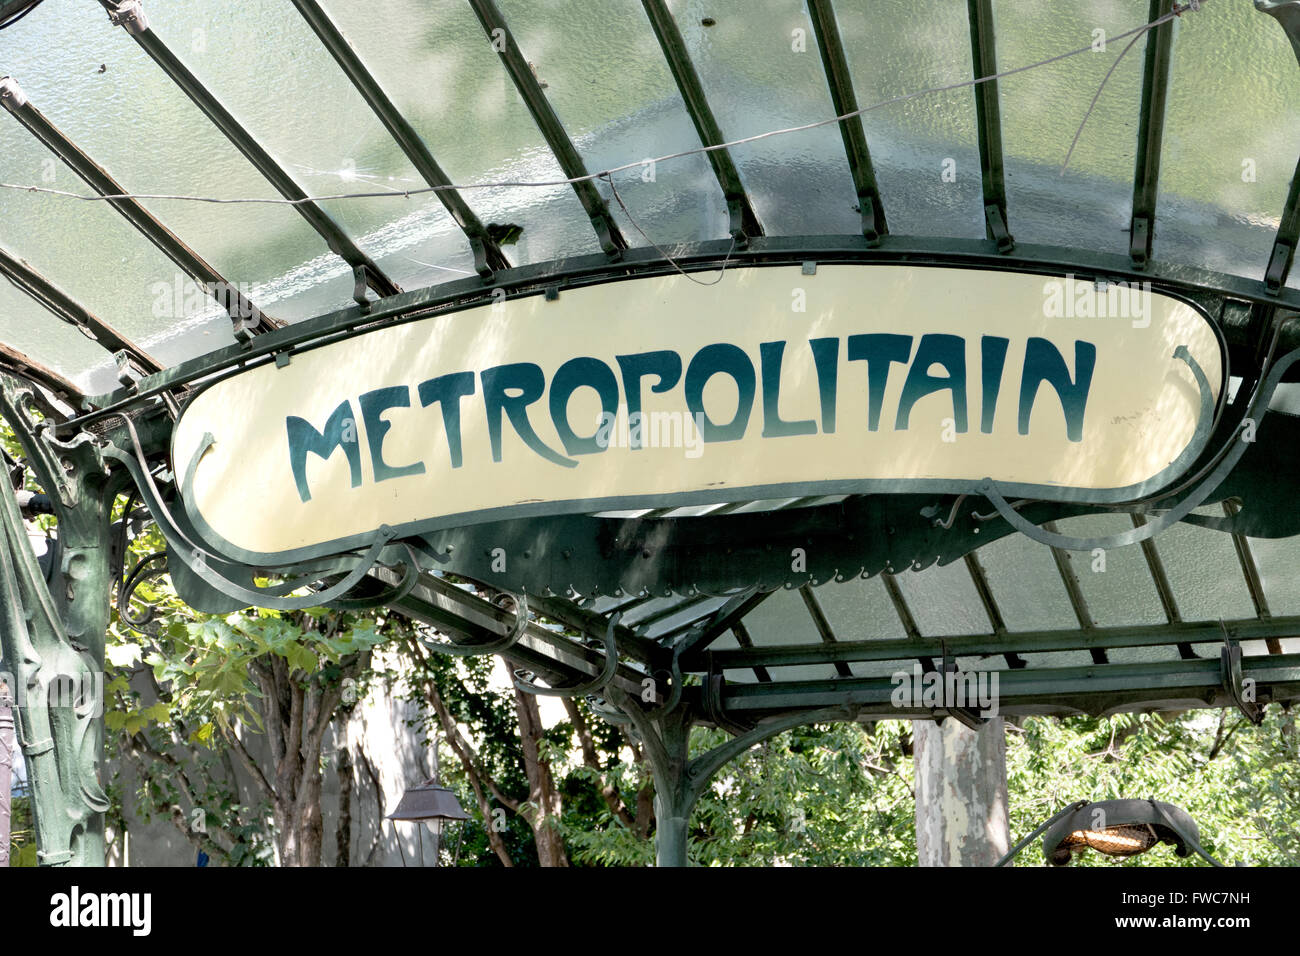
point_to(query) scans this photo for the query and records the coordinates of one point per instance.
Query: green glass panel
(95, 256)
(1278, 560)
(1087, 203)
(860, 610)
(1026, 585)
(610, 85)
(760, 69)
(784, 619)
(438, 66)
(320, 130)
(1231, 139)
(1122, 593)
(26, 327)
(94, 83)
(925, 150)
(943, 600)
(1204, 572)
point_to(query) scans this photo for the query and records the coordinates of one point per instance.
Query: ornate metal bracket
(52, 624)
(587, 687)
(491, 647)
(1227, 459)
(967, 716)
(1233, 682)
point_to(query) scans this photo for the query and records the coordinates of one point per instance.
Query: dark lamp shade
(1128, 827)
(428, 801)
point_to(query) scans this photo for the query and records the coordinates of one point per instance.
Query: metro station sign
(665, 392)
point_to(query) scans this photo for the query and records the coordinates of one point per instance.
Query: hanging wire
(1177, 11)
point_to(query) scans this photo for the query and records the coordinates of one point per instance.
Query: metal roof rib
(548, 122)
(488, 257)
(131, 17)
(745, 224)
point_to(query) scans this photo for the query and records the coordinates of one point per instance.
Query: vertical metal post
(52, 626)
(6, 769)
(1151, 126)
(988, 117)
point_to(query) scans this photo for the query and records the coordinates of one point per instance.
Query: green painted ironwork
(52, 626)
(1146, 175)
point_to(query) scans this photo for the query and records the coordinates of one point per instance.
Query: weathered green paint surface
(52, 636)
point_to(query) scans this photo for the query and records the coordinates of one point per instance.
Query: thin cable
(605, 174)
(671, 261)
(1096, 96)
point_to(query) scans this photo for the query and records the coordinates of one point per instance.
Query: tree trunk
(961, 793)
(343, 839)
(544, 798)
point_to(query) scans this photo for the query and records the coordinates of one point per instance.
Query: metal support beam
(991, 609)
(488, 257)
(1078, 603)
(649, 262)
(1288, 234)
(680, 779)
(1151, 126)
(1168, 602)
(988, 118)
(244, 314)
(973, 645)
(823, 626)
(729, 616)
(592, 624)
(25, 367)
(68, 310)
(544, 115)
(840, 81)
(744, 220)
(1250, 571)
(463, 615)
(1094, 688)
(130, 15)
(744, 640)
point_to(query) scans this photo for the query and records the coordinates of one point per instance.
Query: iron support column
(52, 624)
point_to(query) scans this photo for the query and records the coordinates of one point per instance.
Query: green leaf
(159, 712)
(123, 655)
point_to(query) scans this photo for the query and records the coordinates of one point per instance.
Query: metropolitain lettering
(517, 396)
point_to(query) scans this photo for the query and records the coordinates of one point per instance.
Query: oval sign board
(669, 391)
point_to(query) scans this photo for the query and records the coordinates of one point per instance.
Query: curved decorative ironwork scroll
(594, 686)
(198, 559)
(490, 647)
(1227, 460)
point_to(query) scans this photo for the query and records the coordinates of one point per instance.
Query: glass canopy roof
(268, 99)
(1230, 139)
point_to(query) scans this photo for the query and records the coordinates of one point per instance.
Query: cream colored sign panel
(654, 392)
